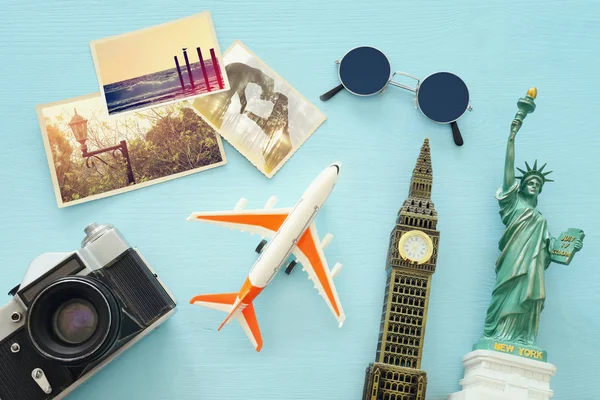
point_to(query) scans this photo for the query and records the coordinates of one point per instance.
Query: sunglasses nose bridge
(400, 85)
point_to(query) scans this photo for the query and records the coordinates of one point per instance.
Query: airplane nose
(337, 165)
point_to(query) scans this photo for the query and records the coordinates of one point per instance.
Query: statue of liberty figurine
(527, 249)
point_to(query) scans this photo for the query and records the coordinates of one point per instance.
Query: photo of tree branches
(162, 142)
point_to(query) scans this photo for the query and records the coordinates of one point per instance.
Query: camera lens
(75, 321)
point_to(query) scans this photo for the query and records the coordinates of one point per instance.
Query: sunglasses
(442, 97)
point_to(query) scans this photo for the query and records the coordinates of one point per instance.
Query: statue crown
(534, 172)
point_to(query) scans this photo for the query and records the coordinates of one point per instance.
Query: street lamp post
(78, 125)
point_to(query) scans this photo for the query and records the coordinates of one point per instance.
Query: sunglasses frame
(455, 130)
(416, 92)
(339, 63)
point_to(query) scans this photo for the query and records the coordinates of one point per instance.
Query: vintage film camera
(74, 313)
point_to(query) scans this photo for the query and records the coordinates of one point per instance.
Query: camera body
(74, 313)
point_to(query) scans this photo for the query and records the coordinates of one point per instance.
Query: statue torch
(526, 105)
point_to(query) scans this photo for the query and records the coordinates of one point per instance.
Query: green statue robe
(519, 294)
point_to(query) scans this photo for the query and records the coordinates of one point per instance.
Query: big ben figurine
(411, 262)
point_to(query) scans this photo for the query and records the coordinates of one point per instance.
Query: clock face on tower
(415, 246)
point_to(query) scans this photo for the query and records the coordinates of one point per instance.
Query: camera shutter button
(40, 378)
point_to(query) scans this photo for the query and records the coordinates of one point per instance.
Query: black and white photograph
(261, 115)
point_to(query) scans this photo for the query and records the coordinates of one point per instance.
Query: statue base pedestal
(492, 375)
(521, 350)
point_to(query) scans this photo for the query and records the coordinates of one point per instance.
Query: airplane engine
(261, 246)
(291, 267)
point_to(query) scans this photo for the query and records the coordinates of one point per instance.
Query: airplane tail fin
(250, 326)
(228, 302)
(232, 312)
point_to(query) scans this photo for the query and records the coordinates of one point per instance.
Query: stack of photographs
(166, 98)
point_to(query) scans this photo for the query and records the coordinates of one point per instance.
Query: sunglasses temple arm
(331, 93)
(458, 140)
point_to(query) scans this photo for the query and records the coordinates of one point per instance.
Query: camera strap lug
(40, 378)
(14, 290)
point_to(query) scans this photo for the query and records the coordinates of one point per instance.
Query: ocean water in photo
(159, 87)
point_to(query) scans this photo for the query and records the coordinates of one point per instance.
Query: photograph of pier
(159, 65)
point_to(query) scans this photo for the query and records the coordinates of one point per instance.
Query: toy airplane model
(292, 231)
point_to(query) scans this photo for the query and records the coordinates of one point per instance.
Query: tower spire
(422, 178)
(410, 264)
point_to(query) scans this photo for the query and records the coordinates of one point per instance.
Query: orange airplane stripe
(252, 322)
(269, 221)
(221, 298)
(306, 244)
(248, 292)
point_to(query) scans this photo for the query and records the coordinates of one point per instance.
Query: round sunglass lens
(365, 71)
(443, 97)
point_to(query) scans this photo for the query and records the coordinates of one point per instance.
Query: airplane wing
(264, 222)
(309, 252)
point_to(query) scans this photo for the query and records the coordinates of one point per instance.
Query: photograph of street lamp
(92, 156)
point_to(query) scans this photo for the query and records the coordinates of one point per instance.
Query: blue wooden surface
(500, 48)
